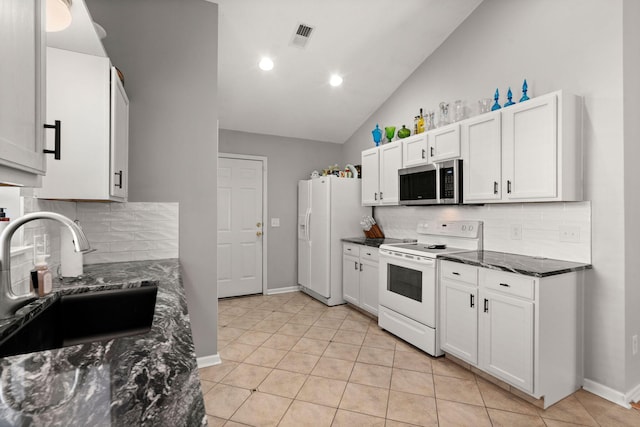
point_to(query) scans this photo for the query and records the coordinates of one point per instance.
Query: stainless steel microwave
(432, 184)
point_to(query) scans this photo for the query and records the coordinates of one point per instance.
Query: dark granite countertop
(367, 241)
(521, 264)
(149, 379)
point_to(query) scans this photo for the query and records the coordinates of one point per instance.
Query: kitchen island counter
(149, 379)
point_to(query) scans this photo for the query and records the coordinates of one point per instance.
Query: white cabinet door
(95, 128)
(459, 320)
(530, 149)
(370, 177)
(444, 143)
(414, 150)
(506, 337)
(390, 162)
(482, 151)
(351, 278)
(22, 89)
(369, 285)
(119, 164)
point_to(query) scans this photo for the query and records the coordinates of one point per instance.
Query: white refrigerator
(329, 209)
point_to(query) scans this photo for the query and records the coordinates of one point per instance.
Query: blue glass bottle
(496, 106)
(509, 96)
(525, 88)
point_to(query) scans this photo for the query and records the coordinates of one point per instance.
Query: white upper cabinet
(482, 157)
(414, 150)
(94, 153)
(22, 88)
(540, 152)
(380, 166)
(371, 176)
(444, 143)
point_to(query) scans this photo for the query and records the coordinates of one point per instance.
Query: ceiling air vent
(302, 35)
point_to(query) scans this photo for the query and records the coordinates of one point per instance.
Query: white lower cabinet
(523, 330)
(360, 276)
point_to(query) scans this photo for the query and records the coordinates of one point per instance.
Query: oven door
(407, 285)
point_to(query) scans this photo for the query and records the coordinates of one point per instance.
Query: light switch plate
(275, 222)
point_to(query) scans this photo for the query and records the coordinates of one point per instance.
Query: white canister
(70, 260)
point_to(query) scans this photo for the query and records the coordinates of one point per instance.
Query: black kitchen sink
(85, 317)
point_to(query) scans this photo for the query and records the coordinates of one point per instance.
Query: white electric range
(408, 291)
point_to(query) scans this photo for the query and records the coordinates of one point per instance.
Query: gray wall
(631, 72)
(167, 50)
(575, 45)
(289, 160)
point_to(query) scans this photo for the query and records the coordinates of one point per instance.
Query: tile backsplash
(118, 232)
(541, 225)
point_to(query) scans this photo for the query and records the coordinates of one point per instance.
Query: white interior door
(240, 227)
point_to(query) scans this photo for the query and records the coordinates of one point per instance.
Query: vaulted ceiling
(373, 44)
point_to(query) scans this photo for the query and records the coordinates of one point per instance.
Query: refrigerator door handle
(306, 224)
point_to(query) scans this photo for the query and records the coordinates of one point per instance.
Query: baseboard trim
(607, 392)
(284, 290)
(634, 394)
(205, 361)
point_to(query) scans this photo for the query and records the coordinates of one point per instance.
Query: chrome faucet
(9, 301)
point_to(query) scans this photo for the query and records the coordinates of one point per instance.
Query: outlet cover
(515, 231)
(569, 233)
(275, 222)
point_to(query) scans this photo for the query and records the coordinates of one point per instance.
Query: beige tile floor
(288, 360)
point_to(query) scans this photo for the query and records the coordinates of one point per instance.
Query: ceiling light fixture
(58, 15)
(266, 64)
(335, 80)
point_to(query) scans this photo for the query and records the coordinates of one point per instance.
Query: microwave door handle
(438, 199)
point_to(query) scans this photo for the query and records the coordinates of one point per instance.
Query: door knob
(259, 224)
(258, 233)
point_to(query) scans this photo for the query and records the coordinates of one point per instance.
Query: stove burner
(437, 247)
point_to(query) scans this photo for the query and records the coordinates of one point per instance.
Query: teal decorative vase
(377, 135)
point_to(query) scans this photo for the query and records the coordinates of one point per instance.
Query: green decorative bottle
(404, 132)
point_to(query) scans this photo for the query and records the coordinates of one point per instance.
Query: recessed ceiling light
(335, 80)
(266, 64)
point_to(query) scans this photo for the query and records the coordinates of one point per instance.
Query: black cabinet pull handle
(455, 273)
(495, 187)
(56, 148)
(119, 184)
(431, 151)
(486, 305)
(471, 302)
(360, 266)
(508, 186)
(356, 266)
(381, 195)
(506, 285)
(375, 196)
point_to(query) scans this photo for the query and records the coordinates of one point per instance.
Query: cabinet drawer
(508, 283)
(351, 249)
(369, 253)
(460, 272)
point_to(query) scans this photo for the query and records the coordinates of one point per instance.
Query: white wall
(289, 160)
(168, 52)
(575, 45)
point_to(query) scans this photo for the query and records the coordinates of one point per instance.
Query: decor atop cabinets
(528, 152)
(85, 93)
(22, 115)
(380, 174)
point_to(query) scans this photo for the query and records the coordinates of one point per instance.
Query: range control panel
(467, 229)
